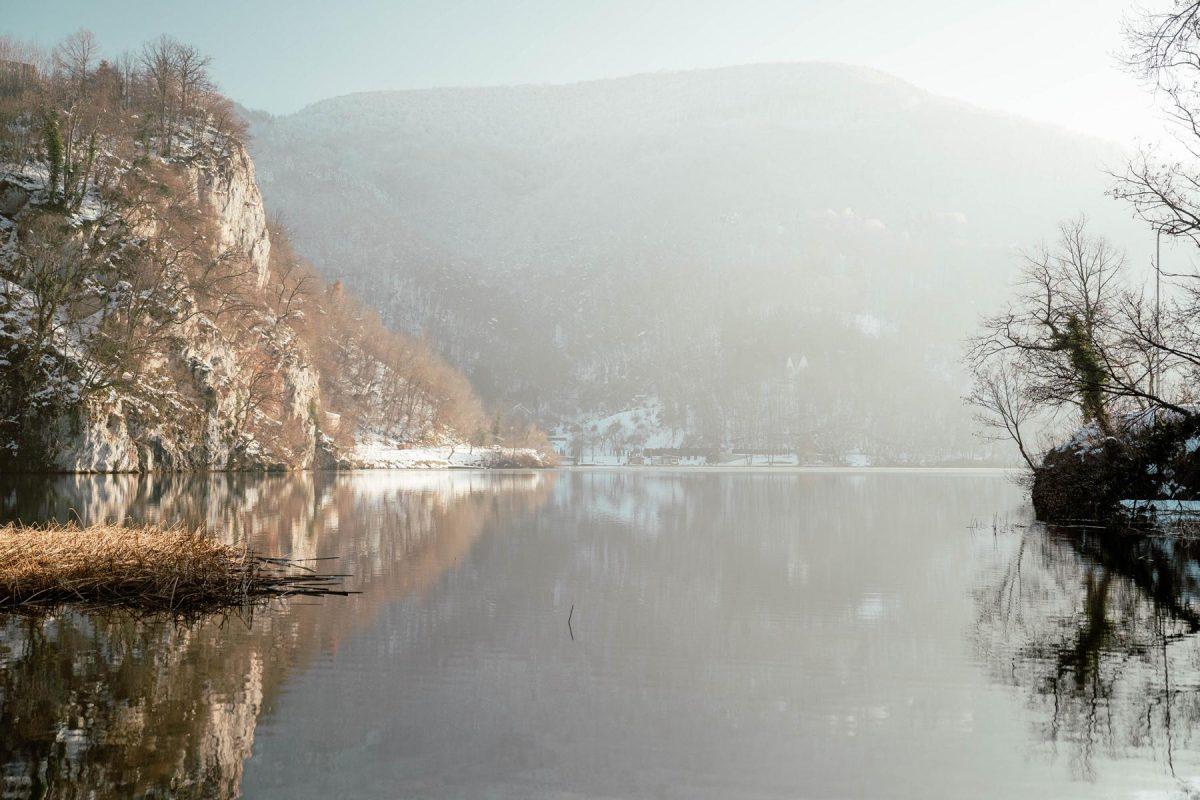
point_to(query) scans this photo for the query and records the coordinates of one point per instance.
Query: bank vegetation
(1093, 369)
(142, 568)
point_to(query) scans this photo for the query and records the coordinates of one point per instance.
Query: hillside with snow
(151, 317)
(786, 256)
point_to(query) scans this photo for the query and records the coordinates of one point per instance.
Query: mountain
(773, 256)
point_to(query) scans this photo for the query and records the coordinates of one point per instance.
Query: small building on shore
(560, 443)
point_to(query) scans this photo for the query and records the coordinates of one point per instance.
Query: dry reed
(143, 567)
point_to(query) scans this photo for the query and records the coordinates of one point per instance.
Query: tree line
(60, 107)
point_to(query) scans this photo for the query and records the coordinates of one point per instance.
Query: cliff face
(197, 415)
(226, 189)
(227, 371)
(119, 435)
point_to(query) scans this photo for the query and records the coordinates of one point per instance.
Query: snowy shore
(379, 455)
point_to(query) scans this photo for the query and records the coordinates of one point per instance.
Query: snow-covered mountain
(784, 255)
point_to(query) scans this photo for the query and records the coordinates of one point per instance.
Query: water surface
(736, 634)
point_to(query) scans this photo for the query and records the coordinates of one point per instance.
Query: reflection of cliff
(101, 706)
(1100, 633)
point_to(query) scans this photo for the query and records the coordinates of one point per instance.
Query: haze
(1050, 62)
(681, 399)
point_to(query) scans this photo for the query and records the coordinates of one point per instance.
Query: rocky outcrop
(198, 431)
(199, 422)
(225, 187)
(226, 380)
(13, 198)
(1154, 456)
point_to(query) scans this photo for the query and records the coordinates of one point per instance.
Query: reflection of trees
(1100, 631)
(109, 706)
(97, 706)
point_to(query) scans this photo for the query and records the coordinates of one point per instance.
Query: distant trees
(69, 106)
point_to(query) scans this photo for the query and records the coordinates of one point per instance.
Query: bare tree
(76, 56)
(191, 74)
(1061, 330)
(158, 61)
(1005, 406)
(1163, 49)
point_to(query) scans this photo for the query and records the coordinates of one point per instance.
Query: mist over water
(736, 634)
(771, 256)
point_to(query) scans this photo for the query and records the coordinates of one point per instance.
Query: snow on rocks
(1149, 458)
(225, 185)
(388, 455)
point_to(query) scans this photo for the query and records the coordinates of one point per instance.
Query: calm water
(737, 634)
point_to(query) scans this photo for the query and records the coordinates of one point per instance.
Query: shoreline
(509, 468)
(787, 468)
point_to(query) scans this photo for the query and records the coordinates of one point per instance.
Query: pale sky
(1051, 60)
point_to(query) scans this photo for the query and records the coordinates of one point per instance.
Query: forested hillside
(150, 315)
(777, 256)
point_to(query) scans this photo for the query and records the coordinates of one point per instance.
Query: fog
(1051, 62)
(673, 399)
(779, 257)
(682, 226)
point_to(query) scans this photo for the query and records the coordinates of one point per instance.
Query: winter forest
(531, 400)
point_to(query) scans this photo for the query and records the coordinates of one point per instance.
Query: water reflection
(737, 634)
(1098, 632)
(755, 635)
(104, 706)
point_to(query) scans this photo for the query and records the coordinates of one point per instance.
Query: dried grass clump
(143, 567)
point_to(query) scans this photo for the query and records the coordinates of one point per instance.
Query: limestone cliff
(188, 403)
(179, 339)
(152, 318)
(224, 185)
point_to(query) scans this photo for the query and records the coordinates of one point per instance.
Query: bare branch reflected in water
(1099, 632)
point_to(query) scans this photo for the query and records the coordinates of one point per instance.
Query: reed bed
(143, 567)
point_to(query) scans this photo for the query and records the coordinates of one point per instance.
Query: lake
(631, 633)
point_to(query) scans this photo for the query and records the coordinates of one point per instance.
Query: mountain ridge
(863, 71)
(785, 192)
